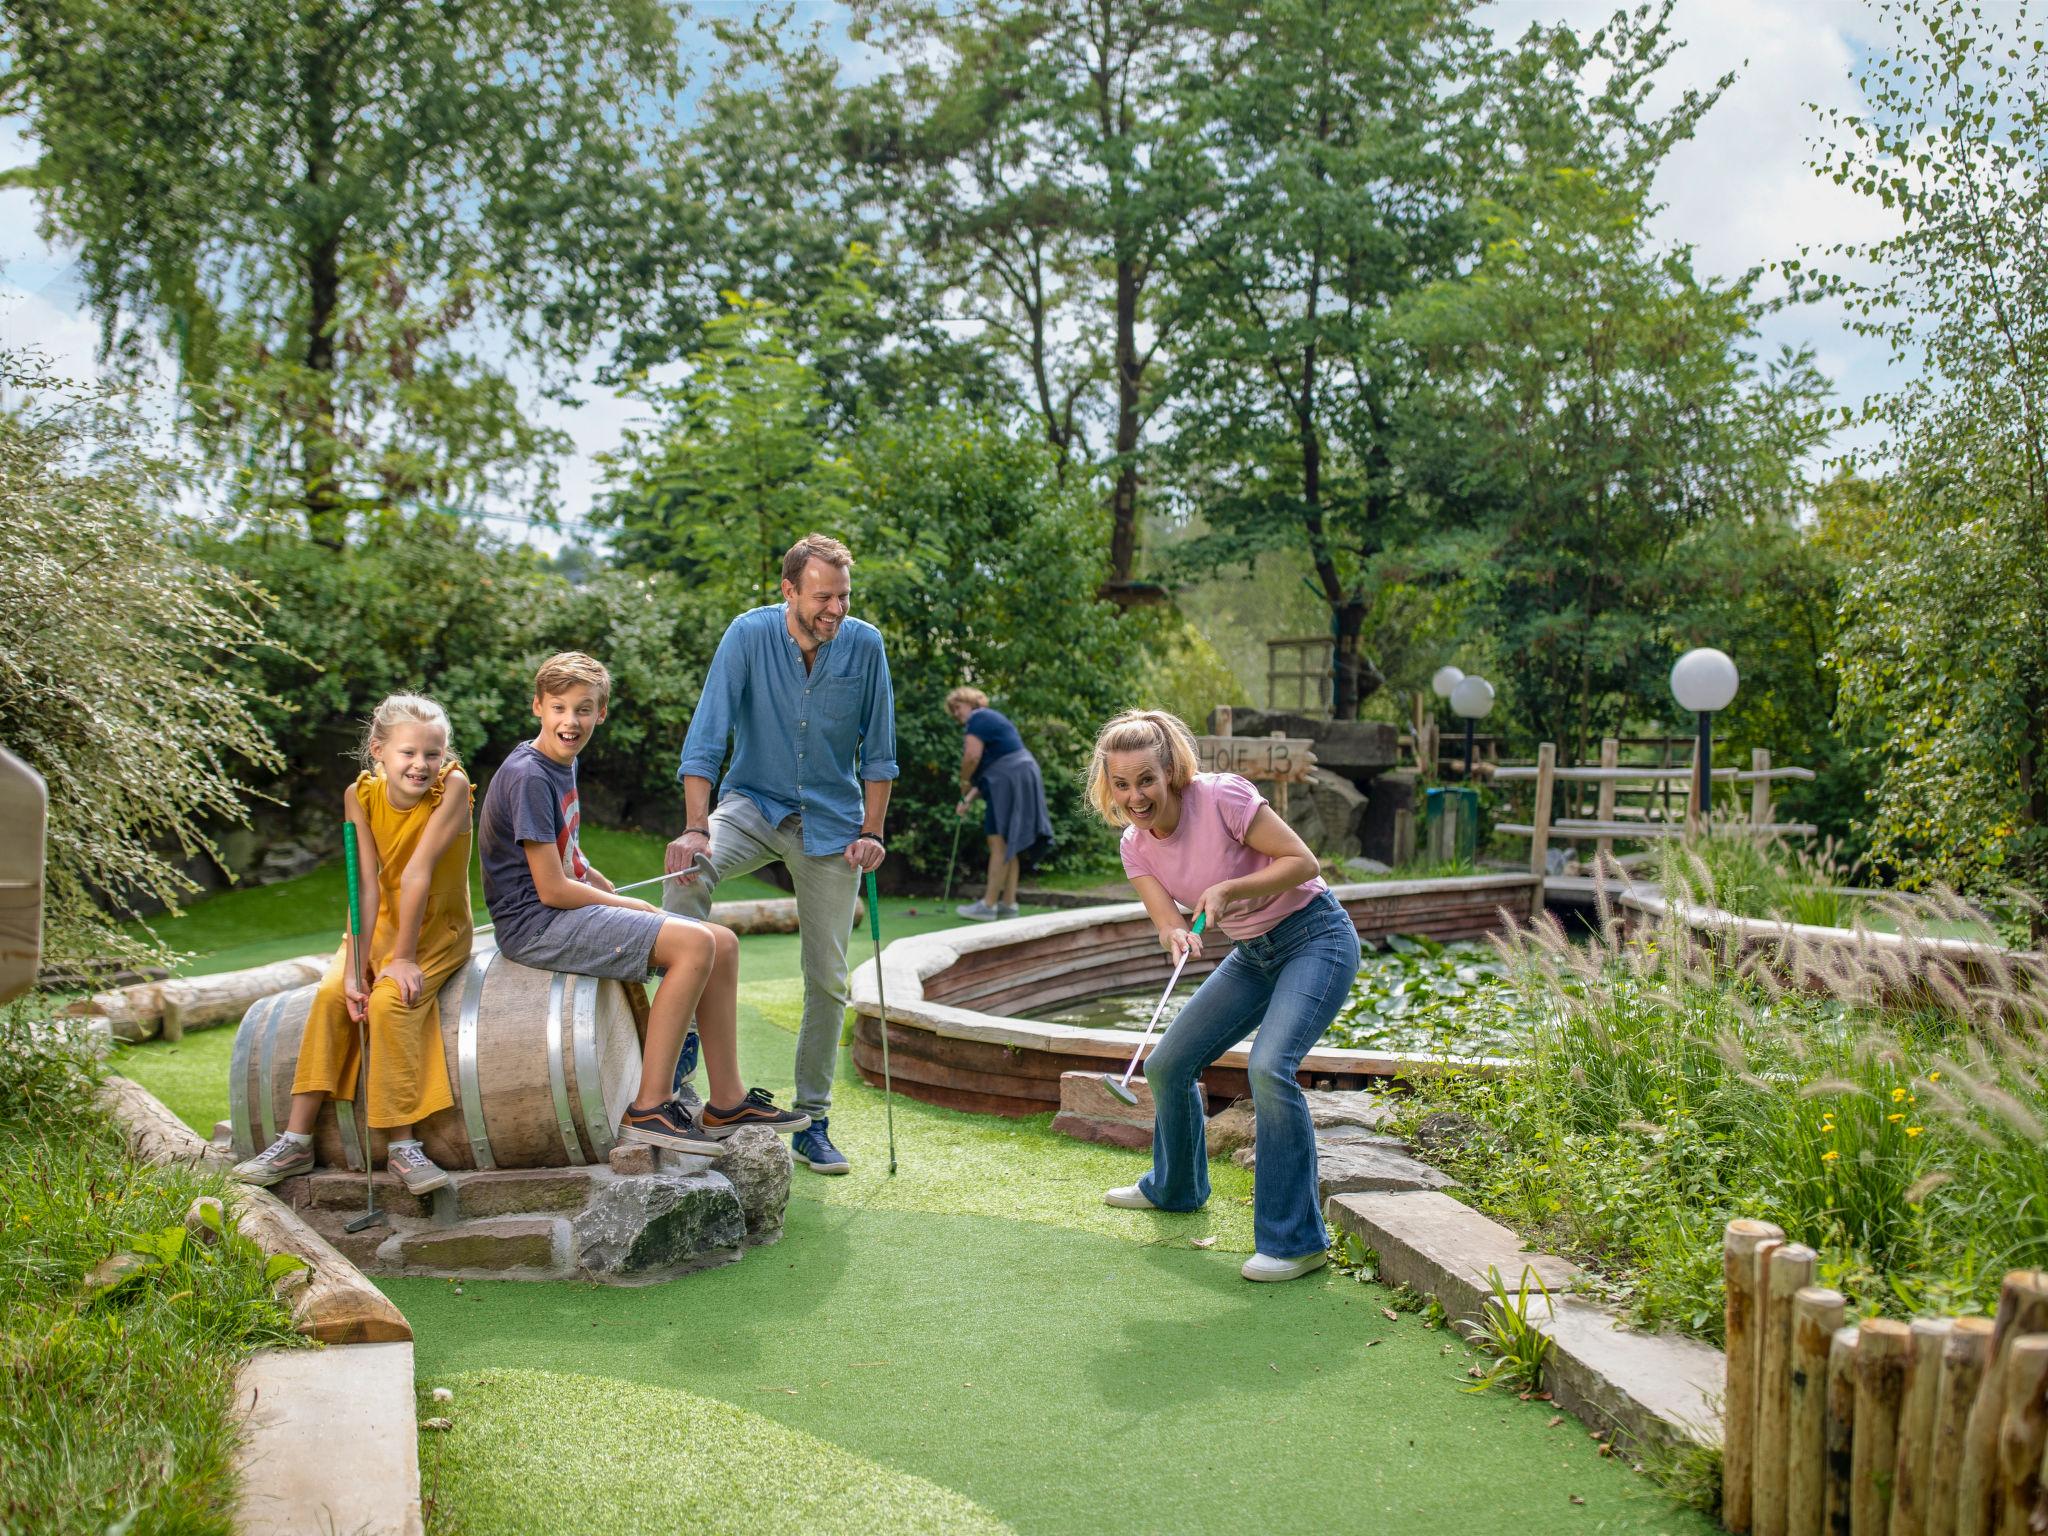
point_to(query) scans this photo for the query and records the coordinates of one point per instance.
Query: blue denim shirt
(802, 741)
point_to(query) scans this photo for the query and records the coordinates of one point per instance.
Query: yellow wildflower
(1830, 1155)
(1894, 1119)
(1912, 1130)
(1934, 1077)
(1898, 1094)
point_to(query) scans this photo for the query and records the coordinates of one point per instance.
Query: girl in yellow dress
(411, 809)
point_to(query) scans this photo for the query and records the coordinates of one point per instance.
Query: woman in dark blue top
(995, 767)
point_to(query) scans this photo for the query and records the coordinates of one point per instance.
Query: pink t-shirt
(1207, 846)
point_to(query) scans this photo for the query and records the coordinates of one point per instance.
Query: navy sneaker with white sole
(814, 1149)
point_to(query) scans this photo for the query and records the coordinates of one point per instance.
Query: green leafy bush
(122, 1332)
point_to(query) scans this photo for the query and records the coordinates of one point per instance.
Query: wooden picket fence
(1936, 1427)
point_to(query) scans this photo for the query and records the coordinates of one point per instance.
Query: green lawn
(975, 1344)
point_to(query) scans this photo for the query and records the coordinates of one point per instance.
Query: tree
(1339, 135)
(1048, 173)
(738, 465)
(312, 201)
(1943, 649)
(116, 643)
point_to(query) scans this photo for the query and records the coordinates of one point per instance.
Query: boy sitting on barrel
(555, 912)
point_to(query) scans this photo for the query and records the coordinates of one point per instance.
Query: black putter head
(367, 1220)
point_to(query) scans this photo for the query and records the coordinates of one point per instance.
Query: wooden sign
(1273, 759)
(23, 809)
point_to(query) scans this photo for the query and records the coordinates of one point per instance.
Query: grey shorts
(594, 941)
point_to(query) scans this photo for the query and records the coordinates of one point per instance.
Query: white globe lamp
(1444, 680)
(1704, 681)
(1471, 699)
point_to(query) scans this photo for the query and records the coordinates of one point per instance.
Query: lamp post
(1704, 681)
(1471, 698)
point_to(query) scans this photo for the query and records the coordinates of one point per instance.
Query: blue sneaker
(814, 1149)
(686, 1068)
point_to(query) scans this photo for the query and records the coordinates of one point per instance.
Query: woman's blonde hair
(973, 698)
(402, 709)
(1141, 730)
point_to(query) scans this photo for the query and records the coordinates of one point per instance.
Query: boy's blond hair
(573, 669)
(1141, 730)
(973, 698)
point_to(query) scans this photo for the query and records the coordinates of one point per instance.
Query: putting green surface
(975, 1343)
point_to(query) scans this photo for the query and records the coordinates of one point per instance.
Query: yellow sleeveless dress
(408, 1071)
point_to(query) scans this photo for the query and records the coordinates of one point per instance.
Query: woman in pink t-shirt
(1209, 843)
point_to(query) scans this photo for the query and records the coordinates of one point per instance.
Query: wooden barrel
(542, 1065)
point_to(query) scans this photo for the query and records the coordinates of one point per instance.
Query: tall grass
(1672, 1087)
(115, 1404)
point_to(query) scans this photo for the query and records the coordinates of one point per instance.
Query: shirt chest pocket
(835, 701)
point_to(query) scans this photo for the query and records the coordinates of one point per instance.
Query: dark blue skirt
(1013, 797)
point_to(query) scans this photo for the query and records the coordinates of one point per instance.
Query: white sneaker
(978, 912)
(1130, 1197)
(1263, 1267)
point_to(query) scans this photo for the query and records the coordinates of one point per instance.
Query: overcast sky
(1741, 194)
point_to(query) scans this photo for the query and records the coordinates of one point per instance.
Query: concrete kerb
(1655, 1389)
(330, 1435)
(909, 962)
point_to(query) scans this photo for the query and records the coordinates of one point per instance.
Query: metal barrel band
(474, 1129)
(558, 1077)
(597, 1122)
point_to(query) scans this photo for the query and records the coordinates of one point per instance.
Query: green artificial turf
(978, 1339)
(640, 1460)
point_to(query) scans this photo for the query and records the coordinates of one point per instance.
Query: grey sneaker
(275, 1163)
(411, 1166)
(979, 912)
(1006, 909)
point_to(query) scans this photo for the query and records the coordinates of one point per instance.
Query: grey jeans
(826, 888)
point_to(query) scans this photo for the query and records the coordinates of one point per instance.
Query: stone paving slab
(329, 1442)
(1657, 1388)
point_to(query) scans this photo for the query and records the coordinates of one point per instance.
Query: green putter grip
(874, 909)
(353, 861)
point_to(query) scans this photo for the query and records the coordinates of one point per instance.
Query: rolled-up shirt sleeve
(717, 708)
(878, 724)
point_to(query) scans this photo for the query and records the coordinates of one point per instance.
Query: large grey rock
(1344, 1168)
(1328, 813)
(757, 1164)
(649, 1226)
(1368, 1111)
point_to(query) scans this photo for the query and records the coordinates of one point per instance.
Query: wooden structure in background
(1931, 1428)
(1300, 674)
(1274, 759)
(24, 812)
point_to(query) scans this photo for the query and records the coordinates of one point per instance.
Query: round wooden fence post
(1816, 1313)
(2022, 1309)
(1963, 1358)
(1788, 1268)
(1916, 1424)
(1744, 1319)
(1841, 1428)
(1880, 1382)
(2023, 1433)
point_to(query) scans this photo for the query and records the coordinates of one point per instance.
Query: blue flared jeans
(1287, 984)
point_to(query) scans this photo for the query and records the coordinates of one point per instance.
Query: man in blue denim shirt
(802, 693)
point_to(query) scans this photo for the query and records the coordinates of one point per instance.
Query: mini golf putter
(1121, 1087)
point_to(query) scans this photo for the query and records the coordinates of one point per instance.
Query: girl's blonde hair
(973, 698)
(1141, 730)
(402, 709)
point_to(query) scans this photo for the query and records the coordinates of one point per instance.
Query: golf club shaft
(952, 858)
(1171, 982)
(882, 1003)
(352, 864)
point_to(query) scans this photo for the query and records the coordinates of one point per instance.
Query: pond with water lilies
(1416, 996)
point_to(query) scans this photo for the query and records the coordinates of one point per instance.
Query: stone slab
(1656, 1388)
(632, 1157)
(1356, 1167)
(337, 1189)
(490, 1245)
(520, 1191)
(1365, 1111)
(1115, 1133)
(758, 1165)
(329, 1442)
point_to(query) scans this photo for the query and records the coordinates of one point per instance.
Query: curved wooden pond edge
(954, 1039)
